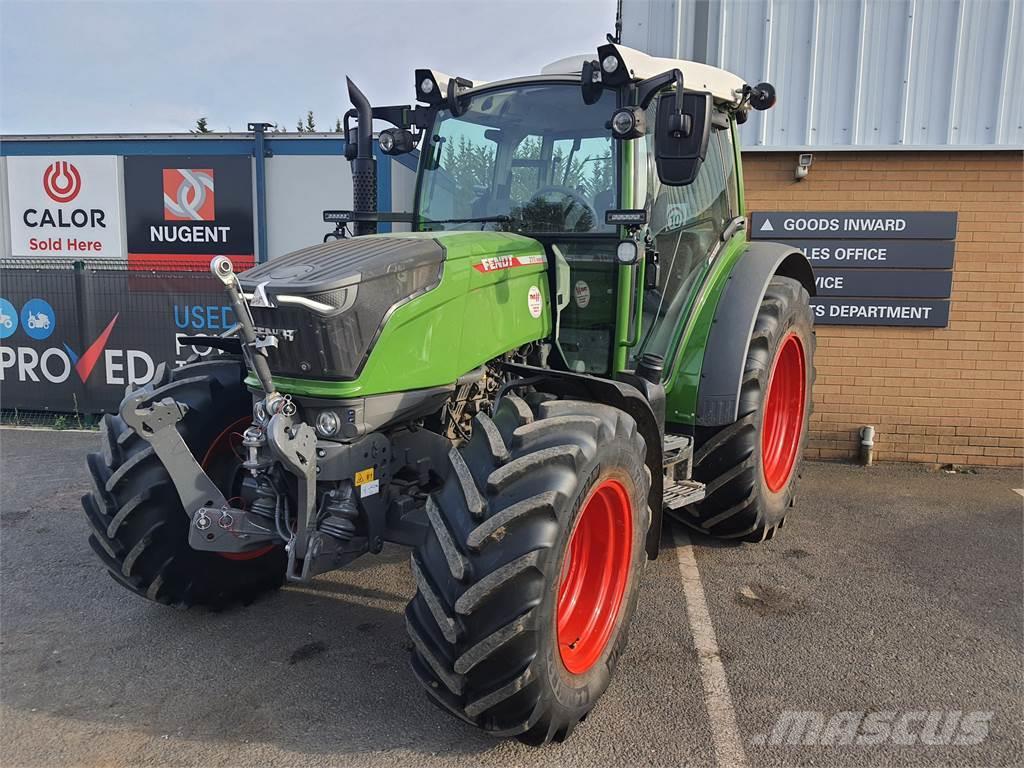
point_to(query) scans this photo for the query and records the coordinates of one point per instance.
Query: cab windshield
(531, 158)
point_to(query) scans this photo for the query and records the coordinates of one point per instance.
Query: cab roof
(723, 86)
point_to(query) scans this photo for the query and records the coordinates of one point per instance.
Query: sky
(156, 66)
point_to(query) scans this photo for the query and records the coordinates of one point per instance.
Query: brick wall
(935, 395)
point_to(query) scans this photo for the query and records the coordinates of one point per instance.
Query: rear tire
(751, 467)
(499, 622)
(139, 528)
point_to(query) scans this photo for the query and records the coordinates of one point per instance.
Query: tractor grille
(334, 345)
(359, 280)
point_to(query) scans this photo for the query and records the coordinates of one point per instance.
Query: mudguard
(725, 353)
(626, 397)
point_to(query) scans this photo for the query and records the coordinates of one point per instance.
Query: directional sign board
(875, 254)
(932, 314)
(893, 283)
(871, 267)
(846, 225)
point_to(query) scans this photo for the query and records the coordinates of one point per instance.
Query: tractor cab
(534, 159)
(588, 155)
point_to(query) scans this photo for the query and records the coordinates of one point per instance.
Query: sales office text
(851, 253)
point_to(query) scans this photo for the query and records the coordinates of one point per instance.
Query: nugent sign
(182, 210)
(64, 206)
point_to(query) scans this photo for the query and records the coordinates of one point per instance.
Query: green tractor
(574, 340)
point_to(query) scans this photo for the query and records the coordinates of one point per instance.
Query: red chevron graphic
(89, 358)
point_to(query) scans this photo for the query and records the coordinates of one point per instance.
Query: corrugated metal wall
(856, 73)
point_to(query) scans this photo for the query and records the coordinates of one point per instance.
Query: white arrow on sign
(767, 226)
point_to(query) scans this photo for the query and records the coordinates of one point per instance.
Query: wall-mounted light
(803, 165)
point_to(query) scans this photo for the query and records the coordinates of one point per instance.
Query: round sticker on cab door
(582, 293)
(534, 301)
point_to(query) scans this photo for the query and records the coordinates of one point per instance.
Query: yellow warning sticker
(364, 477)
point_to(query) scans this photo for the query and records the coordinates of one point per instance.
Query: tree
(337, 126)
(309, 126)
(201, 126)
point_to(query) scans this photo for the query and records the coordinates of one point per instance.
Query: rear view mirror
(681, 140)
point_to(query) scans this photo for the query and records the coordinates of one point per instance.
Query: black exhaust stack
(364, 164)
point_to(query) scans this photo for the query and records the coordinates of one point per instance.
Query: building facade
(887, 108)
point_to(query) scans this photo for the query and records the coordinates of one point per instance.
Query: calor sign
(64, 207)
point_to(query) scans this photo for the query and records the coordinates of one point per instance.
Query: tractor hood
(326, 303)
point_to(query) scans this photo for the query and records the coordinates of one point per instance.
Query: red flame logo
(62, 181)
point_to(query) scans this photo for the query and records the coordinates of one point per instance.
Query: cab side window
(729, 161)
(686, 223)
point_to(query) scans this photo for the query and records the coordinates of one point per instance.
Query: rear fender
(725, 351)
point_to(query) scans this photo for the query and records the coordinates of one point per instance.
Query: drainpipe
(261, 153)
(867, 445)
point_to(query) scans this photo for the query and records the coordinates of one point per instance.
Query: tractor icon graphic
(39, 320)
(5, 321)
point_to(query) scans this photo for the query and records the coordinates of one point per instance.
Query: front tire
(529, 575)
(750, 467)
(139, 528)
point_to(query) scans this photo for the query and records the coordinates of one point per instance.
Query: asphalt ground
(893, 592)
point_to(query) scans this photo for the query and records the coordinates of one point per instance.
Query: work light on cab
(396, 141)
(628, 123)
(627, 252)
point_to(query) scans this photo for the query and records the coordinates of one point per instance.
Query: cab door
(686, 225)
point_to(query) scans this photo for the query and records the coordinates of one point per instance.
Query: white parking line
(724, 731)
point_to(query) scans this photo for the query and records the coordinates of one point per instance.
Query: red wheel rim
(222, 453)
(783, 413)
(594, 576)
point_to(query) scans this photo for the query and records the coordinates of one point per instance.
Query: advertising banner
(182, 210)
(64, 207)
(71, 340)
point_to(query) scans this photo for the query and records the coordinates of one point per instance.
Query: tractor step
(677, 457)
(682, 493)
(680, 489)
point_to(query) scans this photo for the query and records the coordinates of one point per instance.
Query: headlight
(610, 63)
(427, 85)
(328, 424)
(387, 141)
